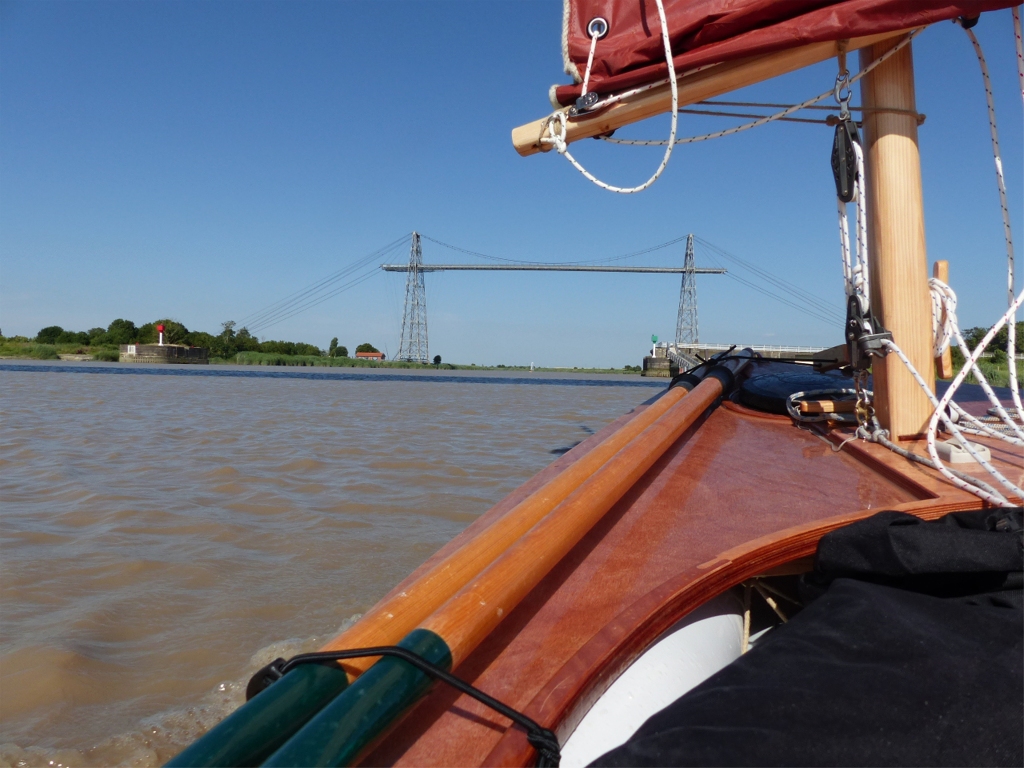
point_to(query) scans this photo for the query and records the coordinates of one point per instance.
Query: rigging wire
(1007, 232)
(327, 288)
(762, 121)
(799, 307)
(395, 305)
(295, 298)
(314, 294)
(588, 262)
(804, 302)
(347, 286)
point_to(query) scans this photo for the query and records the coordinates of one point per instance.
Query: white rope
(944, 305)
(756, 123)
(945, 328)
(559, 142)
(938, 415)
(942, 297)
(590, 61)
(557, 122)
(1019, 43)
(856, 273)
(1011, 341)
(971, 367)
(960, 479)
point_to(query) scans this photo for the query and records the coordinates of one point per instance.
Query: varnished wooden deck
(740, 494)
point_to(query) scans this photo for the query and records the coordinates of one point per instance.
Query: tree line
(225, 344)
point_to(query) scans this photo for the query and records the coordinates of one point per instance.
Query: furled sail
(631, 53)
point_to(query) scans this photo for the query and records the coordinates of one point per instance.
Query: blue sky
(201, 160)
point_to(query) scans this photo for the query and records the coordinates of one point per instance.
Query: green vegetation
(995, 365)
(19, 346)
(258, 358)
(995, 369)
(335, 351)
(973, 337)
(233, 346)
(264, 358)
(103, 343)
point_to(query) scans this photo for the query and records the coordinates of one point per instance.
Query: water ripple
(160, 529)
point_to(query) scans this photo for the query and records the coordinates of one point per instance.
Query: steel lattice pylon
(686, 321)
(413, 345)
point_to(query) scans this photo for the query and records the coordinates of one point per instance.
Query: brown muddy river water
(166, 532)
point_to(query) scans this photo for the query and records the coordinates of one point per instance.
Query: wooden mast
(898, 259)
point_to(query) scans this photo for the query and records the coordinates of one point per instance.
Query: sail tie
(597, 28)
(558, 139)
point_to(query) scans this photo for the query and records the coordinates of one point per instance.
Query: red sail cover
(712, 31)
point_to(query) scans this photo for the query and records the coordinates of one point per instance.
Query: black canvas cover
(908, 652)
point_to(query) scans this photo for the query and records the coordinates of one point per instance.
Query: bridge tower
(413, 344)
(686, 320)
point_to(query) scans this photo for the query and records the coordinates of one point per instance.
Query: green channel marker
(362, 711)
(265, 722)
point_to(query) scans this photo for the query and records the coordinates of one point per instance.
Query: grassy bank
(270, 358)
(30, 350)
(265, 358)
(997, 374)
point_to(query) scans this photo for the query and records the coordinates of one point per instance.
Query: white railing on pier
(755, 347)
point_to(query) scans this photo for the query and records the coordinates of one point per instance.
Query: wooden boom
(706, 84)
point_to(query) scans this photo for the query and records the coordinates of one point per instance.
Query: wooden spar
(358, 716)
(263, 724)
(706, 84)
(944, 362)
(478, 608)
(897, 256)
(393, 618)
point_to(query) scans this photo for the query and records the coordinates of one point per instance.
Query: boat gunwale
(579, 683)
(582, 678)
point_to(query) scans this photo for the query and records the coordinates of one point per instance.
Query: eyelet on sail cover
(598, 27)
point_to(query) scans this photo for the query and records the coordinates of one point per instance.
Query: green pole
(265, 722)
(366, 708)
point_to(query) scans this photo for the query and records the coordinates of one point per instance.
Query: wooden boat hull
(741, 494)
